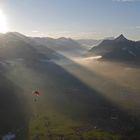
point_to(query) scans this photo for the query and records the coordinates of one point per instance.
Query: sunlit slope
(67, 104)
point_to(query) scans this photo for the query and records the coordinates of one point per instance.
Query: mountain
(62, 45)
(88, 43)
(118, 49)
(14, 45)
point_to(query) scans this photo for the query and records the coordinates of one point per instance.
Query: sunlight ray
(3, 22)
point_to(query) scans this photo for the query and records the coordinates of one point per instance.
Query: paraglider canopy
(36, 93)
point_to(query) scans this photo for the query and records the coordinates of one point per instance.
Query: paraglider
(35, 93)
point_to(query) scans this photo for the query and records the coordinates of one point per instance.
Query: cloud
(74, 34)
(35, 31)
(137, 27)
(126, 0)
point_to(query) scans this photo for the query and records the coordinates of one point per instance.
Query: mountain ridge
(120, 49)
(14, 45)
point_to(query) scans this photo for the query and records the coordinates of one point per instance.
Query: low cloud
(126, 0)
(75, 34)
(35, 31)
(137, 27)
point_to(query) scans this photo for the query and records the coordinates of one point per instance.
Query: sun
(3, 23)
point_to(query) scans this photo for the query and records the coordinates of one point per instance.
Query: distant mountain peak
(121, 38)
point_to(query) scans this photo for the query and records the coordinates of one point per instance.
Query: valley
(81, 98)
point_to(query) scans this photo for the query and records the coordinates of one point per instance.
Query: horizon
(105, 38)
(77, 19)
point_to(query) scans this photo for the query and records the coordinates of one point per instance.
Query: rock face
(120, 49)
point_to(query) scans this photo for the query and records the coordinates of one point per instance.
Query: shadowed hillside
(119, 49)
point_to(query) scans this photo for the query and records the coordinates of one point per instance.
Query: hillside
(63, 45)
(17, 46)
(120, 49)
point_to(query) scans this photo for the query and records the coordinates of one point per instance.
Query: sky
(78, 19)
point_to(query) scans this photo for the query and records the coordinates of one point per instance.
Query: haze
(69, 70)
(92, 19)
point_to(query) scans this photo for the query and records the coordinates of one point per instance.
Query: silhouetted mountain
(88, 43)
(14, 45)
(121, 38)
(62, 44)
(118, 49)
